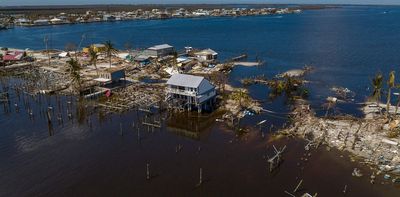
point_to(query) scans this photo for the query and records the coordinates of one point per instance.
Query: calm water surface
(346, 46)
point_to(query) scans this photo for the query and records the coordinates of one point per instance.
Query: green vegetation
(394, 133)
(377, 83)
(391, 84)
(1, 60)
(241, 97)
(74, 68)
(291, 86)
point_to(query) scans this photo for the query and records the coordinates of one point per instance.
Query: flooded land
(304, 104)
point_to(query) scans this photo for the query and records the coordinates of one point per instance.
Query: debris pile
(343, 93)
(365, 138)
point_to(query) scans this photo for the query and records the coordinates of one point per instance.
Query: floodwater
(88, 155)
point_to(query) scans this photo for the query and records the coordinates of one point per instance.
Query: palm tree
(398, 100)
(377, 83)
(75, 68)
(1, 59)
(110, 50)
(93, 58)
(390, 86)
(46, 42)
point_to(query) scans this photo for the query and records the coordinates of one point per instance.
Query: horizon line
(158, 4)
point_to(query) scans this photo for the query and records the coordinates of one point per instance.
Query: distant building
(207, 55)
(41, 22)
(188, 49)
(108, 18)
(23, 21)
(96, 47)
(160, 50)
(190, 91)
(56, 21)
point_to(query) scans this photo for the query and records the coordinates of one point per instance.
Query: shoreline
(142, 18)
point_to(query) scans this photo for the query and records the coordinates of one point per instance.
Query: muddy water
(88, 155)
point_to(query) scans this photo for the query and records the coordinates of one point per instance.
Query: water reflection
(50, 128)
(191, 125)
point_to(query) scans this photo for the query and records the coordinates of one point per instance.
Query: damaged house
(189, 91)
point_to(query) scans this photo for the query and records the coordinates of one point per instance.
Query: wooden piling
(298, 186)
(201, 176)
(138, 134)
(147, 171)
(49, 109)
(276, 159)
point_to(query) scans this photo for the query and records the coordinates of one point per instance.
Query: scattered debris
(365, 138)
(356, 172)
(343, 93)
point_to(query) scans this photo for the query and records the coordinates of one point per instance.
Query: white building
(108, 17)
(41, 22)
(23, 21)
(56, 21)
(160, 50)
(207, 55)
(190, 91)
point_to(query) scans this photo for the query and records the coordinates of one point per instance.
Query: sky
(79, 2)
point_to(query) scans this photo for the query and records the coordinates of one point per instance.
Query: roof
(55, 20)
(102, 80)
(13, 55)
(41, 21)
(185, 80)
(181, 59)
(207, 52)
(160, 47)
(141, 58)
(63, 54)
(123, 55)
(23, 20)
(99, 45)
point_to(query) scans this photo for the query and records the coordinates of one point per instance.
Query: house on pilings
(190, 92)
